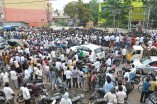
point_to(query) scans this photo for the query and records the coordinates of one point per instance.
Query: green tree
(151, 11)
(116, 13)
(93, 6)
(78, 11)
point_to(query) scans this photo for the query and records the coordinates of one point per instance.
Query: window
(153, 64)
(138, 51)
(98, 50)
(87, 49)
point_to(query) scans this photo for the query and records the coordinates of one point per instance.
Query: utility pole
(148, 17)
(48, 13)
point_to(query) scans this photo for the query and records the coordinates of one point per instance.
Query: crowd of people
(45, 54)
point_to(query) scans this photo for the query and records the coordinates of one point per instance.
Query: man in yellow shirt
(153, 84)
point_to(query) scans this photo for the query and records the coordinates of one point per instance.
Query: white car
(146, 64)
(2, 42)
(90, 48)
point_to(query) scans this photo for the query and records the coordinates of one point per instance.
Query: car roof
(91, 46)
(153, 58)
(137, 47)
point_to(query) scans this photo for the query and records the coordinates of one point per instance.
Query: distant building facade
(34, 12)
(1, 12)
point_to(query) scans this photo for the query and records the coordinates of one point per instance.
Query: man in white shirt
(76, 57)
(107, 39)
(132, 72)
(5, 77)
(108, 62)
(62, 58)
(97, 64)
(25, 93)
(26, 75)
(68, 75)
(92, 58)
(124, 51)
(58, 65)
(66, 99)
(14, 78)
(117, 40)
(9, 94)
(39, 72)
(121, 95)
(27, 51)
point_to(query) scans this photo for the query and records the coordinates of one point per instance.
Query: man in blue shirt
(108, 85)
(145, 90)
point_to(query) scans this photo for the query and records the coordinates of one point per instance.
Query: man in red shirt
(155, 44)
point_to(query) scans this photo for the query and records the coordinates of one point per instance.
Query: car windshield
(2, 40)
(145, 60)
(98, 50)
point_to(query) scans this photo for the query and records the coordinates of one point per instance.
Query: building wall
(1, 12)
(29, 11)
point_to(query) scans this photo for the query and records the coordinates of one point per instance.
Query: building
(1, 12)
(34, 12)
(59, 17)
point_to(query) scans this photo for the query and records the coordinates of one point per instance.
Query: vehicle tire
(119, 73)
(142, 72)
(140, 88)
(137, 81)
(113, 70)
(20, 99)
(145, 77)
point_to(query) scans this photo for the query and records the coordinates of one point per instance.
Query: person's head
(108, 79)
(74, 67)
(120, 83)
(24, 84)
(147, 79)
(68, 68)
(54, 64)
(6, 84)
(120, 88)
(126, 78)
(110, 71)
(113, 90)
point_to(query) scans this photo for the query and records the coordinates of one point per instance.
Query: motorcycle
(97, 97)
(2, 98)
(43, 92)
(151, 99)
(57, 98)
(136, 79)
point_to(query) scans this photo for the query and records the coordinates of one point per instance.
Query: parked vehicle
(138, 52)
(151, 99)
(95, 50)
(146, 65)
(2, 98)
(151, 75)
(76, 98)
(2, 43)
